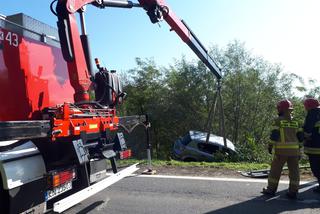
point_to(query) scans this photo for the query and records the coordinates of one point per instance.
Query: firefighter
(286, 147)
(311, 130)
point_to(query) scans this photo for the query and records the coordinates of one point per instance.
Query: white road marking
(309, 201)
(302, 201)
(309, 185)
(103, 205)
(299, 200)
(246, 180)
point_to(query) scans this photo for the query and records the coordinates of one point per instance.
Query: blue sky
(281, 31)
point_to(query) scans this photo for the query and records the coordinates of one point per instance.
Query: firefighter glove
(300, 136)
(270, 149)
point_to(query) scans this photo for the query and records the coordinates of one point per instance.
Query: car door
(191, 152)
(206, 151)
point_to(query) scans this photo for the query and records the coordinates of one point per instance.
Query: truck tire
(4, 199)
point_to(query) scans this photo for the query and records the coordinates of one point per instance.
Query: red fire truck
(58, 121)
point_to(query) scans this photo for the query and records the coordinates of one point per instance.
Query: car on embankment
(193, 147)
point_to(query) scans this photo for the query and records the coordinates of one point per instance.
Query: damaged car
(193, 147)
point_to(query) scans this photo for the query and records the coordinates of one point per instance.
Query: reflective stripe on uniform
(317, 125)
(289, 124)
(282, 138)
(284, 123)
(312, 151)
(287, 146)
(272, 142)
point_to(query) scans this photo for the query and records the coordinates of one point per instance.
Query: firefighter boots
(268, 192)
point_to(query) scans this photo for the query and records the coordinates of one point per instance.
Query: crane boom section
(74, 51)
(158, 10)
(72, 48)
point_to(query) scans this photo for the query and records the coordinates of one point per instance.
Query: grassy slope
(223, 165)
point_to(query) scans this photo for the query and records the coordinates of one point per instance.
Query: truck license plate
(58, 190)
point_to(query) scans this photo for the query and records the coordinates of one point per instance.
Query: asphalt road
(165, 195)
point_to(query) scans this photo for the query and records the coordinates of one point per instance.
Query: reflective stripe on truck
(74, 199)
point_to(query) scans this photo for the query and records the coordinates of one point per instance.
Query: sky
(280, 31)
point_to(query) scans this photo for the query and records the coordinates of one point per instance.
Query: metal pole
(83, 22)
(211, 114)
(222, 115)
(149, 170)
(148, 145)
(85, 42)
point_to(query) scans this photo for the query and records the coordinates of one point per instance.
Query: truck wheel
(4, 199)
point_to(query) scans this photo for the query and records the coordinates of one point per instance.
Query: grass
(241, 166)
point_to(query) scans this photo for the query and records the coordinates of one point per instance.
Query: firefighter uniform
(286, 147)
(312, 136)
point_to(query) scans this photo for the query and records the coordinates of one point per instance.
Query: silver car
(193, 147)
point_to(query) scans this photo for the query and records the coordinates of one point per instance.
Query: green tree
(178, 98)
(146, 91)
(251, 89)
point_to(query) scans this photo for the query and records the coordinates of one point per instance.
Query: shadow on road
(91, 207)
(274, 205)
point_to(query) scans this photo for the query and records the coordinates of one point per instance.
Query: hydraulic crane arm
(158, 10)
(75, 47)
(72, 48)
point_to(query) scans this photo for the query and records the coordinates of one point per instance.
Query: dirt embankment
(305, 174)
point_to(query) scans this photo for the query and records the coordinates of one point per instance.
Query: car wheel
(189, 159)
(4, 199)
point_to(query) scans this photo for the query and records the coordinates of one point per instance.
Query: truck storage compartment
(22, 172)
(33, 74)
